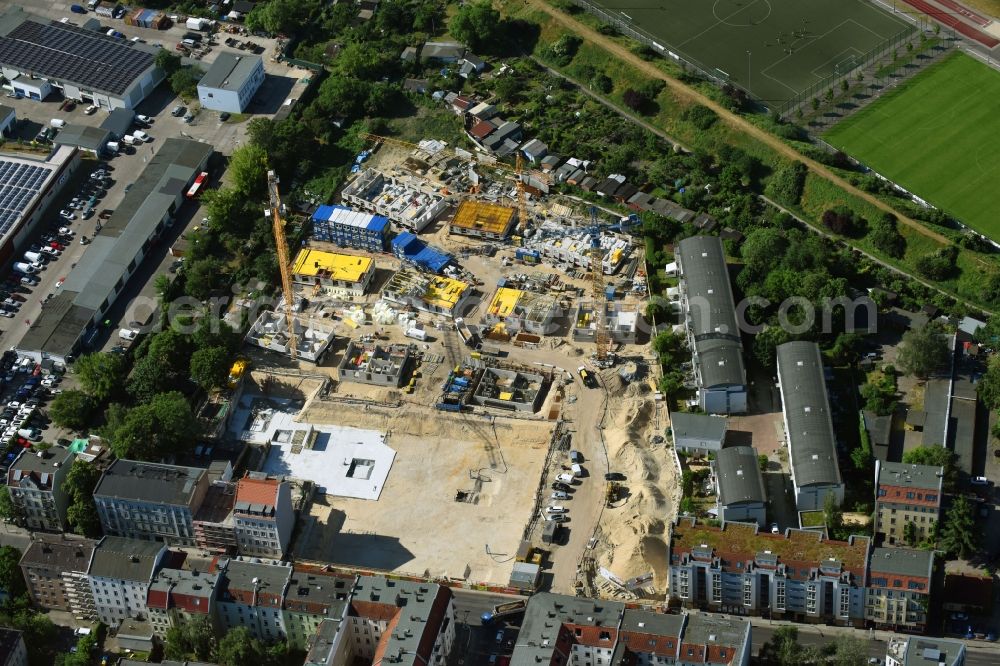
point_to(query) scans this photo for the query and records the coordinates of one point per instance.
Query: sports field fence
(841, 71)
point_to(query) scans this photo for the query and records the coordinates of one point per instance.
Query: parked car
(559, 485)
(224, 116)
(90, 110)
(556, 509)
(145, 120)
(980, 481)
(556, 517)
(66, 214)
(559, 495)
(178, 111)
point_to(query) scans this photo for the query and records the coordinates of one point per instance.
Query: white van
(129, 140)
(128, 334)
(566, 478)
(57, 122)
(112, 147)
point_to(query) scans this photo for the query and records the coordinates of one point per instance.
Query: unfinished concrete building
(574, 247)
(369, 363)
(511, 390)
(333, 273)
(516, 310)
(435, 294)
(622, 321)
(270, 332)
(405, 206)
(480, 219)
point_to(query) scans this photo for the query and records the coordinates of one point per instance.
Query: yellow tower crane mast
(284, 263)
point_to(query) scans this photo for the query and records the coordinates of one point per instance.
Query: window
(605, 636)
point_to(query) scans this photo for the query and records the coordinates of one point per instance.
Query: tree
(815, 103)
(279, 18)
(189, 641)
(478, 26)
(167, 61)
(164, 367)
(936, 456)
(885, 236)
(833, 517)
(634, 99)
(11, 579)
(850, 651)
(79, 485)
(248, 169)
(101, 375)
(787, 183)
(910, 533)
(784, 649)
(72, 409)
(202, 277)
(844, 85)
(158, 428)
(210, 367)
(8, 511)
(923, 351)
(184, 82)
(958, 535)
(602, 83)
(239, 648)
(988, 387)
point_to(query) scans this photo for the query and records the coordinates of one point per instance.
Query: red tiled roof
(373, 610)
(257, 491)
(663, 646)
(482, 129)
(157, 599)
(897, 495)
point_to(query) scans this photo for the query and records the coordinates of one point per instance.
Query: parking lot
(24, 390)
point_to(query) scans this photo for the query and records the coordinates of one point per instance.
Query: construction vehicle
(613, 492)
(504, 610)
(284, 263)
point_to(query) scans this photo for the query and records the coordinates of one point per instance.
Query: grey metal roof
(65, 52)
(6, 112)
(86, 137)
(699, 426)
(125, 559)
(313, 589)
(926, 477)
(739, 476)
(230, 71)
(936, 401)
(185, 582)
(119, 122)
(270, 578)
(59, 552)
(660, 624)
(724, 631)
(536, 642)
(807, 414)
(53, 458)
(149, 482)
(711, 311)
(901, 562)
(64, 319)
(922, 651)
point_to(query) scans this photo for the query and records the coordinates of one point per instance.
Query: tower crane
(284, 263)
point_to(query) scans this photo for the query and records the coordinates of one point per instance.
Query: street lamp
(748, 71)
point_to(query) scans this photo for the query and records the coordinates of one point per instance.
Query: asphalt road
(474, 643)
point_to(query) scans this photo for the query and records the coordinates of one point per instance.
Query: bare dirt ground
(632, 541)
(417, 526)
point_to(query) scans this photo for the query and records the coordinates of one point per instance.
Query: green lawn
(939, 137)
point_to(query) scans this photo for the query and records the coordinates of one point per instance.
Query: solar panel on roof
(69, 53)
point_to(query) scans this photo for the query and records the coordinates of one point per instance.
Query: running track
(949, 20)
(964, 11)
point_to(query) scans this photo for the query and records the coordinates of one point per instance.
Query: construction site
(458, 370)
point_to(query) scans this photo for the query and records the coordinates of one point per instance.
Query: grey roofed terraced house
(711, 326)
(812, 446)
(697, 432)
(85, 64)
(116, 252)
(741, 488)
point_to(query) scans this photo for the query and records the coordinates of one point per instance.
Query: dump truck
(503, 610)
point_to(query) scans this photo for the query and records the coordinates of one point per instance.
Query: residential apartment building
(313, 597)
(120, 575)
(812, 445)
(34, 482)
(251, 595)
(920, 651)
(13, 651)
(800, 575)
(263, 517)
(563, 630)
(906, 495)
(142, 500)
(899, 588)
(55, 570)
(740, 486)
(385, 621)
(706, 300)
(180, 596)
(399, 621)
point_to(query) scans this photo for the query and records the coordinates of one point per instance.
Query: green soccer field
(774, 48)
(938, 136)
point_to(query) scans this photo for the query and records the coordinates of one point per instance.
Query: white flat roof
(346, 462)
